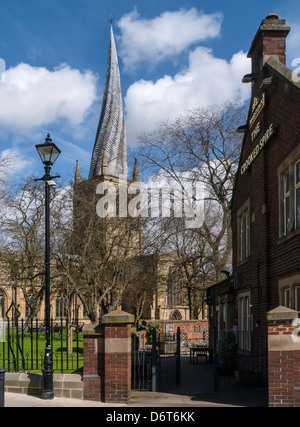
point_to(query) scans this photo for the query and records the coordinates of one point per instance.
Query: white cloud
(15, 162)
(31, 97)
(293, 42)
(164, 36)
(206, 81)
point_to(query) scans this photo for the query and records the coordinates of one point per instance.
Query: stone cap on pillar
(282, 313)
(92, 329)
(118, 316)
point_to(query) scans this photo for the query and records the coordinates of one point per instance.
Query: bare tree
(99, 257)
(6, 164)
(95, 259)
(203, 147)
(22, 249)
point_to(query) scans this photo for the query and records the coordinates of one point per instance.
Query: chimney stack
(270, 40)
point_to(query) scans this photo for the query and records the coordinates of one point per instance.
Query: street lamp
(48, 153)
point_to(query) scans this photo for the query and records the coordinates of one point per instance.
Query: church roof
(111, 132)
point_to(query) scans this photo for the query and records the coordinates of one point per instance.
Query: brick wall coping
(176, 321)
(92, 329)
(282, 313)
(118, 316)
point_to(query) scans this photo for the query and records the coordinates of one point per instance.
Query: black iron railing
(23, 347)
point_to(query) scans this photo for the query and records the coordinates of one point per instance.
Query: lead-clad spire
(111, 133)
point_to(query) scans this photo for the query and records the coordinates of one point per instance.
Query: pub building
(265, 206)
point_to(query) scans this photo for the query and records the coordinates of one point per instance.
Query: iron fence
(23, 347)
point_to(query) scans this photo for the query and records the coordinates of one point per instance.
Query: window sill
(240, 263)
(289, 236)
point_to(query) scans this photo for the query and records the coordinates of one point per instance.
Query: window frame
(286, 203)
(244, 233)
(296, 296)
(289, 292)
(286, 296)
(296, 187)
(288, 166)
(244, 322)
(61, 307)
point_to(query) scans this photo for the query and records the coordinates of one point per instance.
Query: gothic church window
(61, 307)
(174, 289)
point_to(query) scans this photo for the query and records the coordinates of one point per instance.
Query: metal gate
(141, 365)
(169, 369)
(156, 366)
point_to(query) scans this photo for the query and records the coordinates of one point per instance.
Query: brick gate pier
(107, 359)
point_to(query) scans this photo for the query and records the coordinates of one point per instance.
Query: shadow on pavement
(197, 388)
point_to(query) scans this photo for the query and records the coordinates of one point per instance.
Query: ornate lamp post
(48, 153)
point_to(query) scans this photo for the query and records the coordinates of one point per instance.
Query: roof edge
(283, 71)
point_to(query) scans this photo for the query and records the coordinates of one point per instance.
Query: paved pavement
(196, 390)
(21, 401)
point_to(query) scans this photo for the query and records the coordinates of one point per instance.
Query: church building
(165, 301)
(147, 285)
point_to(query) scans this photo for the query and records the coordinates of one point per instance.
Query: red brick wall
(186, 326)
(93, 368)
(118, 366)
(284, 371)
(107, 364)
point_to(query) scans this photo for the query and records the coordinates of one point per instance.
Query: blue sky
(174, 55)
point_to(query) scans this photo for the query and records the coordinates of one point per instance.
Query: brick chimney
(270, 40)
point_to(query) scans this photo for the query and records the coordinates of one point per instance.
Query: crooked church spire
(111, 133)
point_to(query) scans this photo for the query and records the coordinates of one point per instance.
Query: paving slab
(13, 400)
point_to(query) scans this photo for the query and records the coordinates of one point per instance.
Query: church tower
(108, 165)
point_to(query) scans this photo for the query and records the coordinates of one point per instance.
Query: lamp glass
(48, 153)
(242, 129)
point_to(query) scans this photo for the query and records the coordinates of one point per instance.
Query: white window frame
(286, 296)
(286, 203)
(244, 234)
(287, 196)
(244, 322)
(297, 297)
(289, 292)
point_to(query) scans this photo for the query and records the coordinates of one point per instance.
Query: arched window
(176, 315)
(174, 289)
(61, 307)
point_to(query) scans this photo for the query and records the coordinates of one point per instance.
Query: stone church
(158, 288)
(108, 168)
